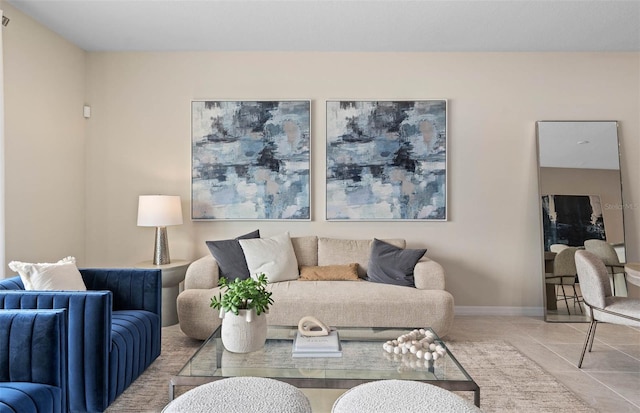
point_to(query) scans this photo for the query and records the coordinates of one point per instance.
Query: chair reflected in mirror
(564, 275)
(600, 304)
(557, 247)
(611, 260)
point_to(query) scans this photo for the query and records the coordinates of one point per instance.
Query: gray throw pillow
(389, 264)
(230, 256)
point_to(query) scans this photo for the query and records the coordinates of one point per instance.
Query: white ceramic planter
(245, 332)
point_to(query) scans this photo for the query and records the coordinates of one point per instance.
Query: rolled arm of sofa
(132, 288)
(428, 275)
(197, 318)
(203, 273)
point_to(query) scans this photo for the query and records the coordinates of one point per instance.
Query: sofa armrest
(428, 275)
(203, 273)
(197, 319)
(88, 338)
(132, 288)
(36, 344)
(12, 283)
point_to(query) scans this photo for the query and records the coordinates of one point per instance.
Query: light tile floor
(610, 376)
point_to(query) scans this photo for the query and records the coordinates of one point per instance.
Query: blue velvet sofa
(33, 361)
(113, 330)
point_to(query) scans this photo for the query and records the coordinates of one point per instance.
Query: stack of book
(319, 346)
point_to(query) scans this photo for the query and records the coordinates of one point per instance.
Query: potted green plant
(242, 305)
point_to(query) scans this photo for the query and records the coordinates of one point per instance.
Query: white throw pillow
(62, 275)
(272, 256)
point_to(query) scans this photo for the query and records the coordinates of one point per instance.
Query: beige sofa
(337, 303)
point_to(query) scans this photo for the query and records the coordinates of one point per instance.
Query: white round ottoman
(242, 395)
(401, 396)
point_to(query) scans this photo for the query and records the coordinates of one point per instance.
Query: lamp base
(161, 248)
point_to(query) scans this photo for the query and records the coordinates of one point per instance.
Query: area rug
(509, 381)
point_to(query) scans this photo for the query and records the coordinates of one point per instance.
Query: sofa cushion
(389, 264)
(25, 397)
(329, 273)
(273, 257)
(361, 304)
(306, 249)
(132, 347)
(230, 256)
(333, 251)
(61, 275)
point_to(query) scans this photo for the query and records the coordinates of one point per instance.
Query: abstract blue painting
(250, 160)
(387, 160)
(571, 219)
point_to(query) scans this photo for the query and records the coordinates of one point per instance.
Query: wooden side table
(172, 275)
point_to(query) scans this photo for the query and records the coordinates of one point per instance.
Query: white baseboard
(499, 311)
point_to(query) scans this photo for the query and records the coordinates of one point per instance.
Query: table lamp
(159, 211)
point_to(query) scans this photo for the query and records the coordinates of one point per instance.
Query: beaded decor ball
(420, 343)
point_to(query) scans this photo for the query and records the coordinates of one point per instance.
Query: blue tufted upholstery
(33, 361)
(113, 330)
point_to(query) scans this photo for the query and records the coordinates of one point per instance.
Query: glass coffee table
(363, 360)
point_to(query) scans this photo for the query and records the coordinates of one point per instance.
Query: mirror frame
(576, 318)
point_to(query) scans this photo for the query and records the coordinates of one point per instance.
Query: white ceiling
(359, 25)
(582, 145)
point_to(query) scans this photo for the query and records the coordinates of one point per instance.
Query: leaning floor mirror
(580, 195)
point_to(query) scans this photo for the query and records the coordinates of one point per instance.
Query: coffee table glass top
(363, 360)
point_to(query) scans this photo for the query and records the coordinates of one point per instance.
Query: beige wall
(44, 86)
(602, 182)
(62, 169)
(138, 142)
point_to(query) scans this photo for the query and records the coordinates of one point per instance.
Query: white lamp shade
(159, 210)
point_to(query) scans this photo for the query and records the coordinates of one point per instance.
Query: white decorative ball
(414, 349)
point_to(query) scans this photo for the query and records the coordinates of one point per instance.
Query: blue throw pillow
(230, 256)
(389, 264)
